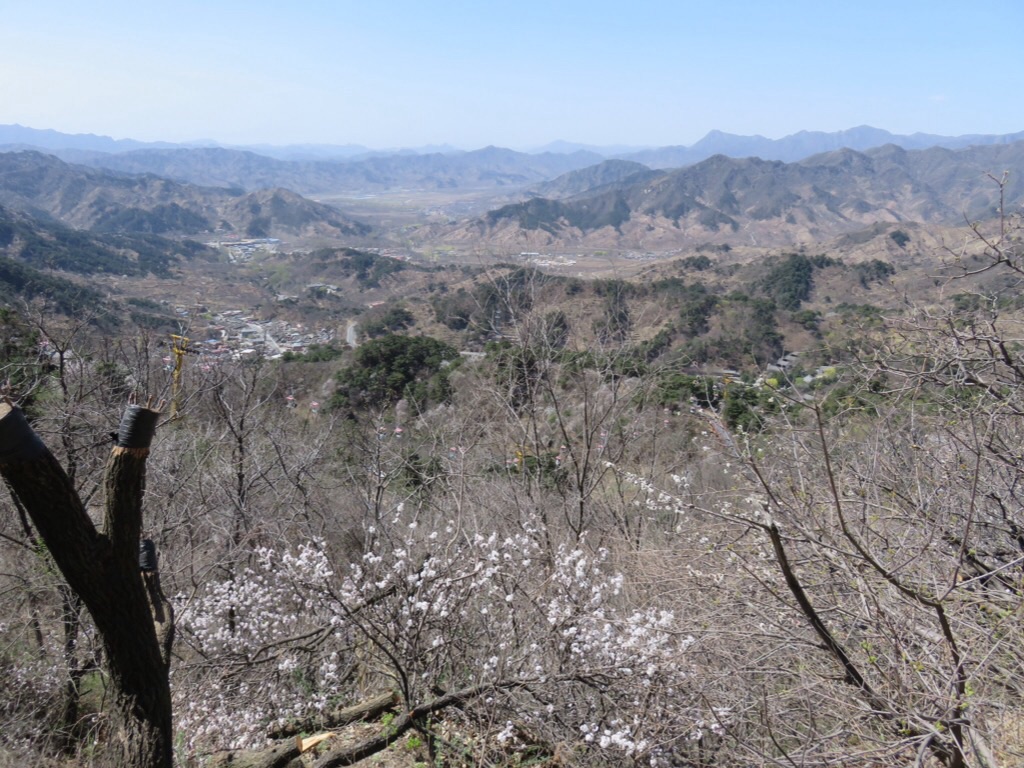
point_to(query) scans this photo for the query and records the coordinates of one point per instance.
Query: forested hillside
(567, 548)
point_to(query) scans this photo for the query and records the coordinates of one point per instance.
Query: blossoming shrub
(541, 631)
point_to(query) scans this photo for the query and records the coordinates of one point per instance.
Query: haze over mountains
(805, 144)
(561, 200)
(483, 168)
(323, 169)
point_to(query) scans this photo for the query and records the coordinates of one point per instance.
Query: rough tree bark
(103, 569)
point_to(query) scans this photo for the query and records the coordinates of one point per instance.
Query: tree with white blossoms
(540, 645)
(265, 649)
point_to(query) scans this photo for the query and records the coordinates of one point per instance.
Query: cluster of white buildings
(233, 334)
(240, 251)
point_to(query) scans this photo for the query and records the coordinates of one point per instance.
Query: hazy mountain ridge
(803, 144)
(102, 200)
(14, 136)
(214, 166)
(327, 169)
(605, 150)
(767, 201)
(47, 138)
(589, 179)
(612, 204)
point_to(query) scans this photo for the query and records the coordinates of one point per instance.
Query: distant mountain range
(339, 169)
(805, 144)
(105, 201)
(486, 168)
(21, 137)
(591, 178)
(573, 200)
(764, 202)
(606, 150)
(46, 139)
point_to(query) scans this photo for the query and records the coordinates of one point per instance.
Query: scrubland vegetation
(546, 554)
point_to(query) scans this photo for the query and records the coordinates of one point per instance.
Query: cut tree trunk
(103, 569)
(370, 709)
(279, 756)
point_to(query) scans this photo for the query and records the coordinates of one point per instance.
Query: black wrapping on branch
(18, 442)
(147, 555)
(138, 425)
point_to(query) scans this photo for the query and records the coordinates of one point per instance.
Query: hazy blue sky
(388, 73)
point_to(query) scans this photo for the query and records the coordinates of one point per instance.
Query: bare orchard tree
(867, 550)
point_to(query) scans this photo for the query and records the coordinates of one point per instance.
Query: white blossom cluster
(268, 645)
(427, 608)
(655, 500)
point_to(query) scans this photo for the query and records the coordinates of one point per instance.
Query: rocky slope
(765, 202)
